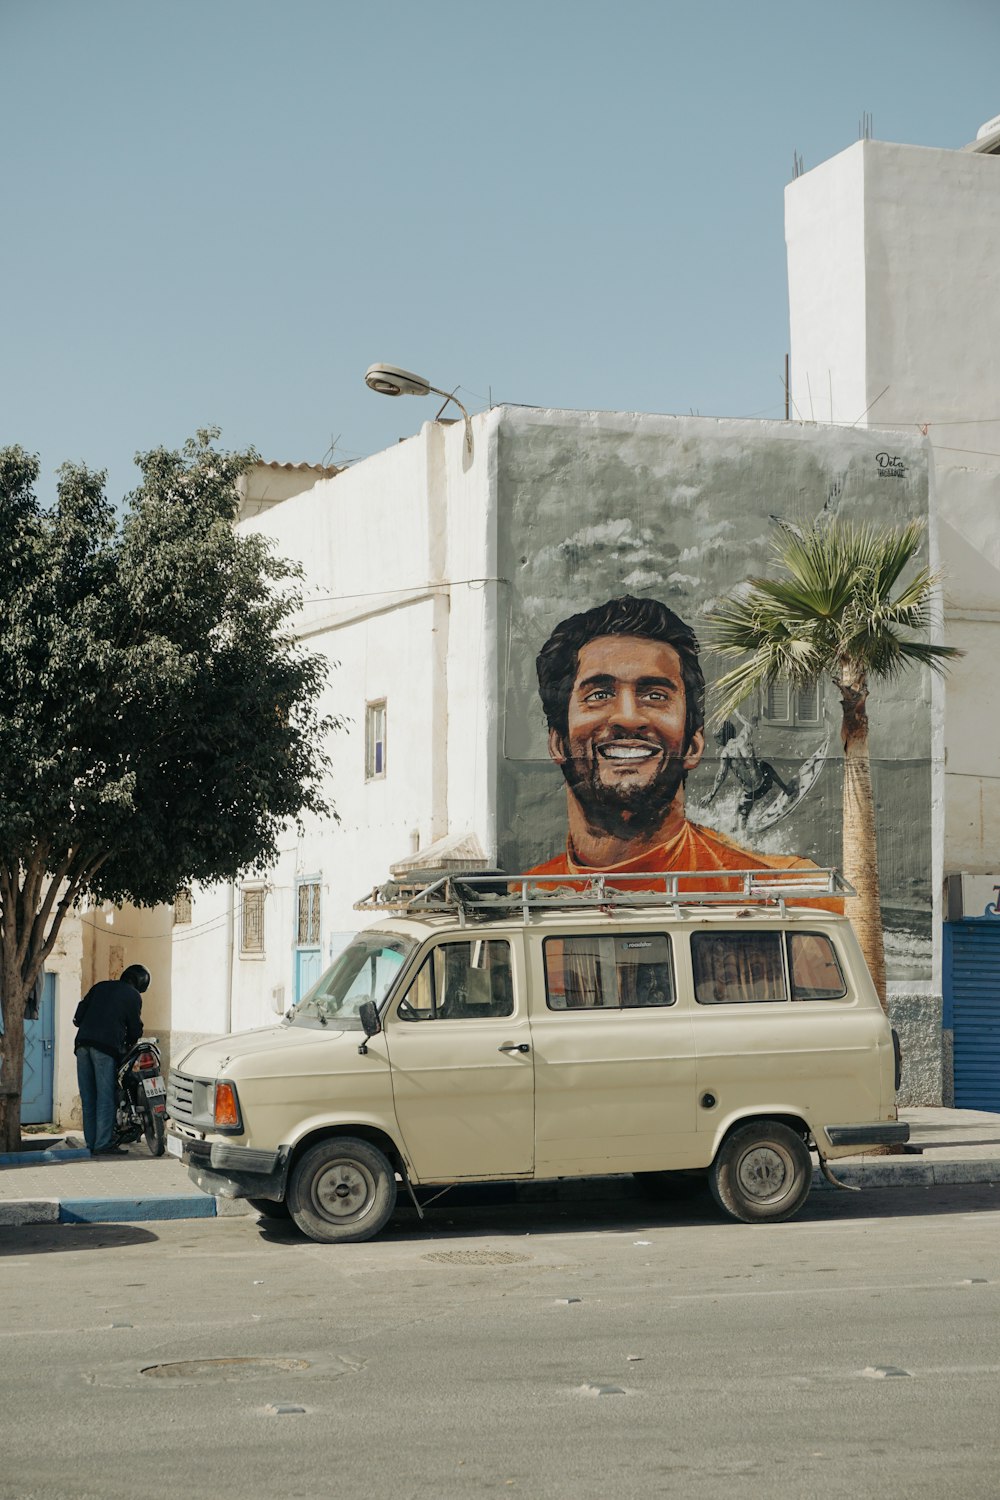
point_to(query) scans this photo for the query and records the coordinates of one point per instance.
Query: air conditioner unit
(969, 895)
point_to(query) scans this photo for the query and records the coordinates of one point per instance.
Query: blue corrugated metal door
(972, 1009)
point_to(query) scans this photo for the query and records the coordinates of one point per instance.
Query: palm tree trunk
(860, 854)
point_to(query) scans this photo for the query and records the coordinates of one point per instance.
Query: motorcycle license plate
(154, 1087)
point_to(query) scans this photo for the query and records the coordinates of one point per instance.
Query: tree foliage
(158, 722)
(837, 608)
(831, 613)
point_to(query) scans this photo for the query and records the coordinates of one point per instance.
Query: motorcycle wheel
(152, 1129)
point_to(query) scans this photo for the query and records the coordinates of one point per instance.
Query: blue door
(972, 1009)
(308, 968)
(39, 1059)
(308, 953)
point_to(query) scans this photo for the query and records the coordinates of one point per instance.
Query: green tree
(158, 722)
(836, 609)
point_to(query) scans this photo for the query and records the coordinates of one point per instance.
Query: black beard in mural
(625, 783)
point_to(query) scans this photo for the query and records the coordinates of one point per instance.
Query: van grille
(180, 1097)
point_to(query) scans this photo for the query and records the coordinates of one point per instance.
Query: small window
(807, 703)
(375, 740)
(182, 908)
(737, 968)
(252, 920)
(778, 706)
(307, 928)
(462, 982)
(794, 706)
(816, 973)
(608, 973)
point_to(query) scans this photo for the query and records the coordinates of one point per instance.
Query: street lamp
(389, 380)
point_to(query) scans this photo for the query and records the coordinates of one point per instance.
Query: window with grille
(375, 740)
(307, 930)
(785, 704)
(182, 908)
(252, 920)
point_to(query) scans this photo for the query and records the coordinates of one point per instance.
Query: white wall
(894, 299)
(400, 593)
(824, 232)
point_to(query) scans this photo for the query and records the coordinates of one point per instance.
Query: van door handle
(514, 1047)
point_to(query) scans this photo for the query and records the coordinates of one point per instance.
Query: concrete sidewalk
(68, 1186)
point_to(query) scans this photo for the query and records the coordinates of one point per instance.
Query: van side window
(816, 973)
(608, 973)
(737, 968)
(462, 982)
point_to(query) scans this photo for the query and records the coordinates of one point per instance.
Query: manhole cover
(478, 1257)
(225, 1369)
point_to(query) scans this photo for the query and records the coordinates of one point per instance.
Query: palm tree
(832, 611)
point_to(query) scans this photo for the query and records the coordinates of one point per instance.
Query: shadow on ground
(38, 1239)
(628, 1213)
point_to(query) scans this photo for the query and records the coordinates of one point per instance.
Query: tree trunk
(13, 994)
(26, 911)
(860, 855)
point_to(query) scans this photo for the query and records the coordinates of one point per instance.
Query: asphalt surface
(956, 1146)
(608, 1350)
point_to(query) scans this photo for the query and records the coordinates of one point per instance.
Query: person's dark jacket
(109, 1018)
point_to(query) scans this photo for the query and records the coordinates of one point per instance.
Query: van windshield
(364, 971)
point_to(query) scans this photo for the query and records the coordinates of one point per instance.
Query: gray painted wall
(593, 505)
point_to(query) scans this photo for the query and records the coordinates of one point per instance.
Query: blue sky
(222, 212)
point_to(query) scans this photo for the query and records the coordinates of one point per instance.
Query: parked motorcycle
(141, 1097)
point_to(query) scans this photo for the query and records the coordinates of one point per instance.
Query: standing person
(108, 1021)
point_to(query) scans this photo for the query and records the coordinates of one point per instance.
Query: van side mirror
(369, 1017)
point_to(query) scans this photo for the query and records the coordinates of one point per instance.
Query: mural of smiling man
(624, 697)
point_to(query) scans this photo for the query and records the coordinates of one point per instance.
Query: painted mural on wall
(616, 537)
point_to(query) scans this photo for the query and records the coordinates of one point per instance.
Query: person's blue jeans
(95, 1073)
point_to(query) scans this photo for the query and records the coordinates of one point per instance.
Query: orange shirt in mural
(694, 848)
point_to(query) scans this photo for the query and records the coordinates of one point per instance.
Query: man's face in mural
(625, 754)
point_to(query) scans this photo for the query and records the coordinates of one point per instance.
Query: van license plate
(174, 1146)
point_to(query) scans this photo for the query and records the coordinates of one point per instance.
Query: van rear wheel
(342, 1190)
(762, 1173)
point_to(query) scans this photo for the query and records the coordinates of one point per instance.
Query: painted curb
(40, 1158)
(134, 1210)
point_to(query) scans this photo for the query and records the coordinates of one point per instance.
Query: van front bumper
(864, 1137)
(227, 1171)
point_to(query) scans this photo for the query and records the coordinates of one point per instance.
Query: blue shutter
(972, 1008)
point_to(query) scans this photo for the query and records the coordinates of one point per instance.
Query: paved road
(552, 1351)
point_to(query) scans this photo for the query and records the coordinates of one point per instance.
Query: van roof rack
(494, 895)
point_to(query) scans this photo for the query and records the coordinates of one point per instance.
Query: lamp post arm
(448, 396)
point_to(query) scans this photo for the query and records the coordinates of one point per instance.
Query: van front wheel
(342, 1190)
(762, 1173)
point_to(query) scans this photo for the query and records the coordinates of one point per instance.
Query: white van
(526, 1028)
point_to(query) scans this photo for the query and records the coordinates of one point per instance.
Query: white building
(400, 582)
(432, 578)
(894, 298)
